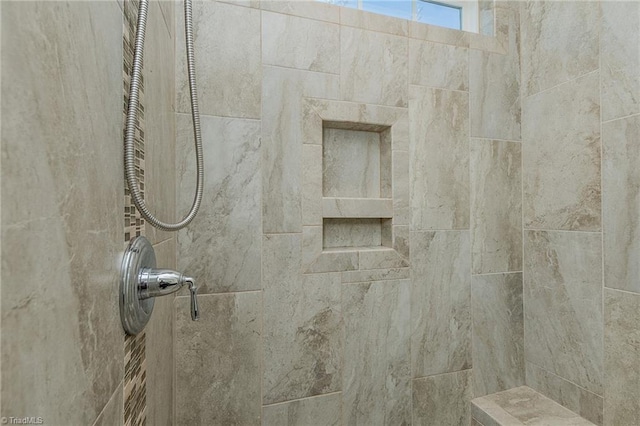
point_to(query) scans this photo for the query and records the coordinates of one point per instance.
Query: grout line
(636, 114)
(483, 139)
(561, 230)
(560, 84)
(564, 379)
(633, 293)
(111, 398)
(301, 399)
(188, 114)
(228, 293)
(470, 370)
(496, 273)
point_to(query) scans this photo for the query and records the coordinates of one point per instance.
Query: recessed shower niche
(355, 186)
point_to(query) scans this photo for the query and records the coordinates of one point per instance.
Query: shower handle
(161, 282)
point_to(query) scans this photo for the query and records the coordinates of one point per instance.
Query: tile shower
(397, 217)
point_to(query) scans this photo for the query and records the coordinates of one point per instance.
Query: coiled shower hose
(132, 112)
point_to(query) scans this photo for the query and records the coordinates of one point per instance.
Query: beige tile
(622, 358)
(440, 302)
(218, 360)
(160, 122)
(621, 203)
(282, 140)
(561, 170)
(113, 412)
(221, 248)
(438, 34)
(620, 59)
(401, 188)
(311, 184)
(357, 208)
(334, 260)
(159, 340)
(373, 21)
(498, 332)
(563, 305)
(62, 203)
(373, 67)
(381, 258)
(565, 393)
(300, 43)
(321, 11)
(558, 42)
(302, 325)
(494, 87)
(442, 399)
(439, 153)
(351, 233)
(228, 66)
(318, 411)
(438, 65)
(376, 384)
(375, 275)
(496, 206)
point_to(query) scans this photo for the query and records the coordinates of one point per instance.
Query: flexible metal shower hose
(132, 111)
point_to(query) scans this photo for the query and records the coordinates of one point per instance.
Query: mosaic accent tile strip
(135, 392)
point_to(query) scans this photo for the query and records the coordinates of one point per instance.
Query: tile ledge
(522, 406)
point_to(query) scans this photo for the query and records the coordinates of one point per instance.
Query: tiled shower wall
(581, 140)
(63, 225)
(351, 344)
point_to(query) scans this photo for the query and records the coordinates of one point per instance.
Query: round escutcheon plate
(134, 312)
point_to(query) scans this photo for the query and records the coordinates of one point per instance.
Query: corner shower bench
(522, 406)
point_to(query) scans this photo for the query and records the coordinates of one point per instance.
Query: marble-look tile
(620, 58)
(351, 233)
(282, 140)
(621, 203)
(559, 42)
(486, 12)
(321, 11)
(375, 275)
(401, 240)
(362, 19)
(565, 393)
(523, 406)
(311, 184)
(302, 325)
(496, 206)
(442, 399)
(498, 332)
(218, 360)
(401, 188)
(113, 412)
(376, 383)
(622, 358)
(381, 258)
(160, 123)
(373, 67)
(159, 341)
(321, 410)
(440, 302)
(494, 87)
(294, 42)
(438, 65)
(228, 65)
(357, 208)
(221, 248)
(62, 209)
(563, 305)
(561, 171)
(351, 163)
(439, 152)
(439, 34)
(334, 260)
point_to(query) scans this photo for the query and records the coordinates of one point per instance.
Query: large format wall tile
(218, 360)
(621, 203)
(439, 155)
(562, 157)
(283, 91)
(300, 43)
(498, 332)
(221, 248)
(440, 302)
(443, 399)
(620, 58)
(559, 42)
(563, 305)
(494, 85)
(496, 206)
(302, 324)
(317, 411)
(438, 65)
(228, 66)
(373, 67)
(62, 209)
(566, 393)
(376, 384)
(622, 358)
